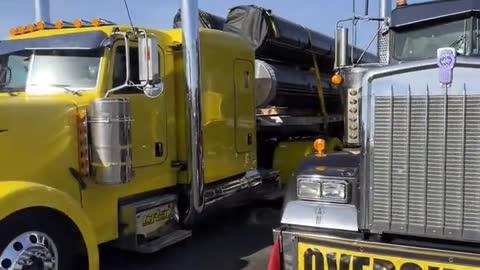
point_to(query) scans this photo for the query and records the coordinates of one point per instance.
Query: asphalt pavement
(234, 238)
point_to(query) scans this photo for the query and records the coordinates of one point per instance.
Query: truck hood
(38, 138)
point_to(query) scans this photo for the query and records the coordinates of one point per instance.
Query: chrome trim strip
(249, 180)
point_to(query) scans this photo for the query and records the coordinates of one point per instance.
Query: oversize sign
(318, 257)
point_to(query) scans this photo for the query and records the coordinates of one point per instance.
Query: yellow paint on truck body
(40, 144)
(21, 195)
(222, 114)
(288, 155)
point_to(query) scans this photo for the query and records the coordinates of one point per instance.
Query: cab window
(119, 70)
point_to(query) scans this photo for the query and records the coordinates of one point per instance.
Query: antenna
(128, 13)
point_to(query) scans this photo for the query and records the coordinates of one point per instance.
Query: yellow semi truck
(123, 135)
(100, 142)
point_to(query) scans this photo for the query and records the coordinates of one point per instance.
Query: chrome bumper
(321, 215)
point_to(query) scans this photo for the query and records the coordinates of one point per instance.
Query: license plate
(343, 255)
(150, 220)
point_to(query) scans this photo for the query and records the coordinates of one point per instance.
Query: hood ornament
(446, 59)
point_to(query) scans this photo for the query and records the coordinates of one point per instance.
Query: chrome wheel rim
(30, 251)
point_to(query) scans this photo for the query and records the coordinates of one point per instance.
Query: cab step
(163, 241)
(149, 224)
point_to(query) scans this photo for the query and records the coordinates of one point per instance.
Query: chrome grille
(426, 166)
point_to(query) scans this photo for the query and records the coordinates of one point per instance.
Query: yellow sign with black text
(320, 257)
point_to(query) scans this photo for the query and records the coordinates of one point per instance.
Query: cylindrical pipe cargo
(205, 20)
(275, 38)
(284, 86)
(191, 56)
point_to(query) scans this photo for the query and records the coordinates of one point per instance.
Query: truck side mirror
(148, 66)
(341, 47)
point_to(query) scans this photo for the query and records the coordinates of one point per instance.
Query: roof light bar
(60, 24)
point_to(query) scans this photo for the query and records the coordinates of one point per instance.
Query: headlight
(314, 187)
(309, 190)
(332, 190)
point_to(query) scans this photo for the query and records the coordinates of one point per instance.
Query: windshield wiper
(458, 43)
(76, 92)
(67, 88)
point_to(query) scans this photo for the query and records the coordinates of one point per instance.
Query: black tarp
(276, 38)
(205, 20)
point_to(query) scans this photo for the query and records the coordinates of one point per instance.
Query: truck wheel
(29, 241)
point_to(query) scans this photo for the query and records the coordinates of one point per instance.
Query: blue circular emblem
(446, 60)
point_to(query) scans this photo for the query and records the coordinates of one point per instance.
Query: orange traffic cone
(274, 262)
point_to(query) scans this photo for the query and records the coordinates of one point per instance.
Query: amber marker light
(21, 30)
(77, 23)
(96, 22)
(13, 32)
(401, 3)
(83, 158)
(337, 79)
(59, 24)
(40, 26)
(30, 27)
(319, 146)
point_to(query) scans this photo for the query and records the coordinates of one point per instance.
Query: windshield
(52, 71)
(422, 43)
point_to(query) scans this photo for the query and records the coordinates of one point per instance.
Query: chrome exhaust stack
(385, 10)
(191, 56)
(42, 11)
(341, 47)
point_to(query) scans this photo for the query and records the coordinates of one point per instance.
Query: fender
(19, 195)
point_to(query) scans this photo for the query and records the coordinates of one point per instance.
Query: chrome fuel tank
(109, 123)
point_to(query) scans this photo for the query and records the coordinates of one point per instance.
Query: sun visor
(78, 41)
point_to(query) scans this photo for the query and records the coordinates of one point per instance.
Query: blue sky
(320, 15)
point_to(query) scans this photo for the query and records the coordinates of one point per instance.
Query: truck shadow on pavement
(229, 239)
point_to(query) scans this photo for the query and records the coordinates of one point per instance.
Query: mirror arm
(127, 83)
(127, 66)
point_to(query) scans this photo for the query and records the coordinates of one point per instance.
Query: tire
(31, 225)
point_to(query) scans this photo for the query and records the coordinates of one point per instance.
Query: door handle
(158, 149)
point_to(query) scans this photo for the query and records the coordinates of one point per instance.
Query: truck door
(244, 106)
(149, 126)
